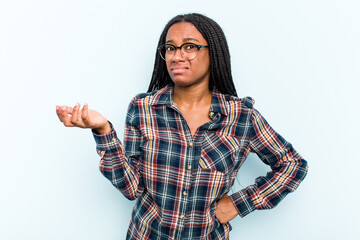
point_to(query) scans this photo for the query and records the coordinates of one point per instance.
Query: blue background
(299, 60)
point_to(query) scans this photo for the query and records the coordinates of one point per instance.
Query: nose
(178, 56)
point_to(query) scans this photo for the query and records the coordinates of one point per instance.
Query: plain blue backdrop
(299, 60)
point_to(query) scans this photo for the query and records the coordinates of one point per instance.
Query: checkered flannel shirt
(178, 178)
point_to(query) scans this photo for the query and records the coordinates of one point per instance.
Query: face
(183, 72)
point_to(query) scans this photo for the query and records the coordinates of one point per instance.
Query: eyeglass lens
(187, 50)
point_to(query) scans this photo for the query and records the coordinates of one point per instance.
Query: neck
(192, 96)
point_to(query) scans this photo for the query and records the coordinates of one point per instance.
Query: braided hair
(220, 69)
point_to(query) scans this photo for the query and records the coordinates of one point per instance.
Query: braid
(220, 67)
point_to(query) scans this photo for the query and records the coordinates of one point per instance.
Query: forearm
(116, 166)
(269, 190)
(287, 165)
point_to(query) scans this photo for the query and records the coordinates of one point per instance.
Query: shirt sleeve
(287, 165)
(119, 164)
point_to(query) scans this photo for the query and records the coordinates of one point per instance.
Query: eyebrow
(185, 40)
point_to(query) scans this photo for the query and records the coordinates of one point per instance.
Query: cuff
(106, 141)
(243, 203)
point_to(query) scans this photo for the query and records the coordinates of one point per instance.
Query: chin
(180, 80)
(182, 83)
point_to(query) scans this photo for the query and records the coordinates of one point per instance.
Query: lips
(178, 69)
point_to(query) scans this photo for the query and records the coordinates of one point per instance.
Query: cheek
(203, 64)
(168, 64)
(204, 60)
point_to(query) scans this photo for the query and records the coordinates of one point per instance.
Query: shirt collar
(164, 97)
(218, 102)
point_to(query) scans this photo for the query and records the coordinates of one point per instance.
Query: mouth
(178, 69)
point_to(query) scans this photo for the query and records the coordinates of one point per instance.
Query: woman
(185, 140)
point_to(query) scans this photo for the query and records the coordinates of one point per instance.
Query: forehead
(179, 32)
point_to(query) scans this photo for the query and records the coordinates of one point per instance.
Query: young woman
(185, 140)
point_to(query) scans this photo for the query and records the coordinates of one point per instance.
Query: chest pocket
(219, 152)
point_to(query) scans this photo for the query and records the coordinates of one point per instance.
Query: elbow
(303, 170)
(300, 171)
(129, 191)
(130, 194)
(130, 197)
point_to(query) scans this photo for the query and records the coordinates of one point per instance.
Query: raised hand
(83, 118)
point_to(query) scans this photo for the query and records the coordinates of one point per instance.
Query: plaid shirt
(178, 178)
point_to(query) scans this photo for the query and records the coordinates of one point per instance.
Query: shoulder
(136, 104)
(236, 103)
(147, 99)
(141, 97)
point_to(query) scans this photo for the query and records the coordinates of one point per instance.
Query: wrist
(103, 130)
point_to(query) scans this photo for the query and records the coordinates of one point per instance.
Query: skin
(191, 78)
(83, 118)
(191, 95)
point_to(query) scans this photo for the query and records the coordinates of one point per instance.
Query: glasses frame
(176, 48)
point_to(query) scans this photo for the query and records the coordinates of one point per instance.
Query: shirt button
(189, 167)
(191, 144)
(114, 139)
(182, 216)
(185, 193)
(211, 114)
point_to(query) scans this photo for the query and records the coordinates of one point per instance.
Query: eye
(169, 48)
(190, 47)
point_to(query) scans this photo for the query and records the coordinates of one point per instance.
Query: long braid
(220, 67)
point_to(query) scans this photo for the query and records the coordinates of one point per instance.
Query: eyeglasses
(187, 50)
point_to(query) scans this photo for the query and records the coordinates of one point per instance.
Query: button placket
(187, 182)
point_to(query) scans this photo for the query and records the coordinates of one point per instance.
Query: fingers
(67, 109)
(69, 116)
(76, 118)
(85, 114)
(62, 112)
(75, 115)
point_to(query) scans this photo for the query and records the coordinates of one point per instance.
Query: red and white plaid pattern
(178, 178)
